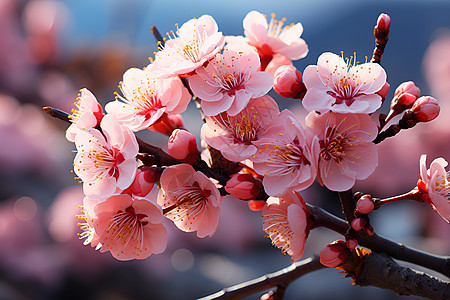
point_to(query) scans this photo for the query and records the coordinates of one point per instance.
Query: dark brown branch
(381, 38)
(406, 122)
(383, 272)
(347, 204)
(280, 278)
(56, 113)
(157, 35)
(380, 244)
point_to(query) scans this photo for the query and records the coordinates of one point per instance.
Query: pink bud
(383, 22)
(365, 204)
(369, 230)
(383, 91)
(143, 181)
(256, 205)
(425, 109)
(183, 145)
(268, 296)
(352, 243)
(407, 87)
(334, 255)
(167, 124)
(243, 186)
(288, 82)
(359, 223)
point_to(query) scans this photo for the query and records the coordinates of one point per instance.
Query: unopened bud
(369, 230)
(288, 82)
(352, 243)
(425, 109)
(183, 145)
(365, 204)
(359, 223)
(334, 254)
(383, 22)
(168, 124)
(143, 181)
(407, 87)
(243, 186)
(256, 205)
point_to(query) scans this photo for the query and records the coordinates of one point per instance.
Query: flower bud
(334, 254)
(256, 205)
(425, 109)
(183, 145)
(352, 243)
(143, 181)
(369, 230)
(359, 223)
(168, 124)
(365, 204)
(383, 22)
(407, 87)
(288, 82)
(243, 186)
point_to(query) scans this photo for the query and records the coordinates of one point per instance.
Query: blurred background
(50, 49)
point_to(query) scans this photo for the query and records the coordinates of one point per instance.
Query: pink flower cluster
(272, 154)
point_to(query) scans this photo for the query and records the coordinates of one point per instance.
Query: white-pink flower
(128, 226)
(106, 161)
(147, 98)
(274, 37)
(190, 199)
(436, 183)
(87, 114)
(286, 156)
(346, 149)
(343, 86)
(198, 41)
(233, 135)
(230, 80)
(285, 219)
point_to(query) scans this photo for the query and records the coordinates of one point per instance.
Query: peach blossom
(285, 220)
(106, 161)
(288, 82)
(233, 136)
(425, 109)
(243, 186)
(88, 114)
(191, 199)
(147, 99)
(343, 86)
(335, 254)
(230, 80)
(435, 182)
(183, 145)
(128, 226)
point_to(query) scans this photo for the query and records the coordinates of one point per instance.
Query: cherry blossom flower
(106, 162)
(271, 38)
(435, 183)
(288, 82)
(286, 156)
(230, 80)
(147, 99)
(88, 114)
(128, 226)
(191, 198)
(346, 149)
(233, 135)
(197, 42)
(285, 219)
(341, 86)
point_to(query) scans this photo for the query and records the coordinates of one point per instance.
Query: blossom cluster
(128, 195)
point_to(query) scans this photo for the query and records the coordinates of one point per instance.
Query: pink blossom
(343, 86)
(183, 145)
(346, 149)
(88, 114)
(197, 42)
(288, 82)
(435, 182)
(365, 204)
(191, 200)
(285, 220)
(383, 22)
(230, 80)
(407, 87)
(144, 180)
(106, 162)
(335, 254)
(243, 186)
(128, 226)
(274, 36)
(277, 61)
(233, 136)
(147, 99)
(286, 156)
(425, 109)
